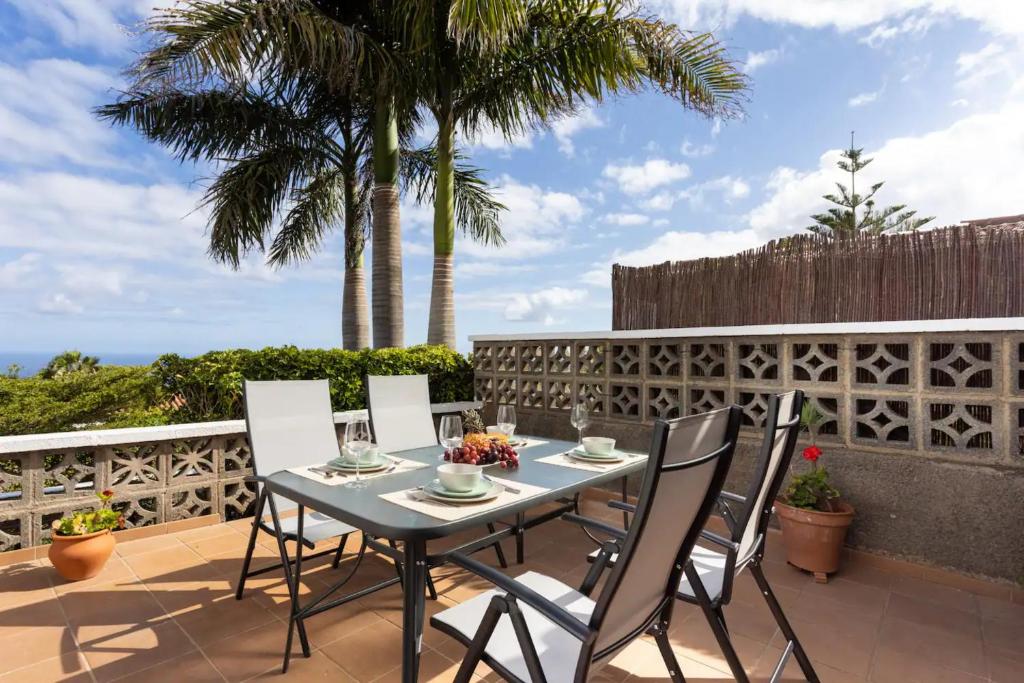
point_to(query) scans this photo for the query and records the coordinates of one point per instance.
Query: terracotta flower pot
(813, 539)
(81, 557)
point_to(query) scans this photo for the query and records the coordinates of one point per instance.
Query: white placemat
(453, 512)
(336, 480)
(563, 460)
(530, 443)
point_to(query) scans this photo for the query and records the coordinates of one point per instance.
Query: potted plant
(83, 542)
(814, 520)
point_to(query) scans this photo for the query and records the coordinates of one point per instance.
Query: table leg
(625, 499)
(520, 538)
(414, 569)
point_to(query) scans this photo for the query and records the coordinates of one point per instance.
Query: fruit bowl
(484, 450)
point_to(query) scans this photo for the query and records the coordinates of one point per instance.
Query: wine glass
(358, 441)
(580, 418)
(450, 433)
(507, 420)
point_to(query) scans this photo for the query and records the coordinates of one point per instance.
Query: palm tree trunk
(355, 323)
(441, 328)
(388, 317)
(355, 327)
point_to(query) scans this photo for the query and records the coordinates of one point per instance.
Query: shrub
(107, 397)
(209, 387)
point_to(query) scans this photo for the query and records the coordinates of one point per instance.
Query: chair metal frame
(737, 524)
(656, 622)
(298, 613)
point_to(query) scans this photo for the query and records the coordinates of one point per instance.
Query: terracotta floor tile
(859, 598)
(1004, 636)
(70, 667)
(434, 668)
(762, 671)
(115, 571)
(993, 609)
(251, 653)
(24, 584)
(928, 590)
(223, 618)
(193, 667)
(1005, 667)
(318, 667)
(939, 648)
(927, 613)
(145, 545)
(45, 618)
(219, 545)
(845, 644)
(107, 607)
(134, 650)
(697, 642)
(782, 575)
(210, 531)
(162, 561)
(368, 653)
(189, 588)
(33, 645)
(892, 666)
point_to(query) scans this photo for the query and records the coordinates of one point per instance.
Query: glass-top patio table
(379, 518)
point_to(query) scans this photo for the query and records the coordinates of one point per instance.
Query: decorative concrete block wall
(915, 414)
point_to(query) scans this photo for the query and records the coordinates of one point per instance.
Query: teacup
(459, 477)
(369, 457)
(598, 445)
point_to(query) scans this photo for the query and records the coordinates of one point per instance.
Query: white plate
(493, 492)
(579, 454)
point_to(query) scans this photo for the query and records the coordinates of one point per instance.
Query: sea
(32, 362)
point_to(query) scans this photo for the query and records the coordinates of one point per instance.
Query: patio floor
(163, 610)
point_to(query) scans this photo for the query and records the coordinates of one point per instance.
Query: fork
(511, 489)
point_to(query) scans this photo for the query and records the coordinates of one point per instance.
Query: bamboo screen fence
(955, 272)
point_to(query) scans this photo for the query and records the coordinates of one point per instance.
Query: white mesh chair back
(290, 424)
(781, 429)
(688, 463)
(400, 412)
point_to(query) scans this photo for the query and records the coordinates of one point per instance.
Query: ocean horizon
(32, 362)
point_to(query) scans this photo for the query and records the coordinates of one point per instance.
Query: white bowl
(459, 477)
(598, 445)
(371, 456)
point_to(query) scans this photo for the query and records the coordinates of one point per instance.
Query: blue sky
(102, 248)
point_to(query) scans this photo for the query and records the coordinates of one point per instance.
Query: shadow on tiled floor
(163, 610)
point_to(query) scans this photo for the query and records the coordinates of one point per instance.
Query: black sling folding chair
(535, 628)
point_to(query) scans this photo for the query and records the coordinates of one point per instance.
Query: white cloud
(640, 179)
(675, 246)
(17, 274)
(865, 98)
(541, 305)
(996, 16)
(45, 114)
(756, 60)
(491, 138)
(626, 218)
(913, 26)
(534, 224)
(92, 216)
(564, 129)
(993, 61)
(59, 304)
(728, 188)
(971, 168)
(689, 149)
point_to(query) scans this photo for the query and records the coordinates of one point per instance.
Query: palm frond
(477, 211)
(317, 208)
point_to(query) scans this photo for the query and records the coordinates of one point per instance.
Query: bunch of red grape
(502, 454)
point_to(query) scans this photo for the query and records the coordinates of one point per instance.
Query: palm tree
(69, 362)
(230, 83)
(516, 65)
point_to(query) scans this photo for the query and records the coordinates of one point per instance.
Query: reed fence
(948, 273)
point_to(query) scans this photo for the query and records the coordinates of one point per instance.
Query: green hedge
(107, 397)
(211, 384)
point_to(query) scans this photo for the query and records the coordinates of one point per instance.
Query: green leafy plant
(811, 489)
(209, 387)
(82, 523)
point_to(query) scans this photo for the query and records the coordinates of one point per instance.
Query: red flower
(812, 453)
(107, 493)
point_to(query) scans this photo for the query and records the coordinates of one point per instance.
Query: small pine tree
(844, 220)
